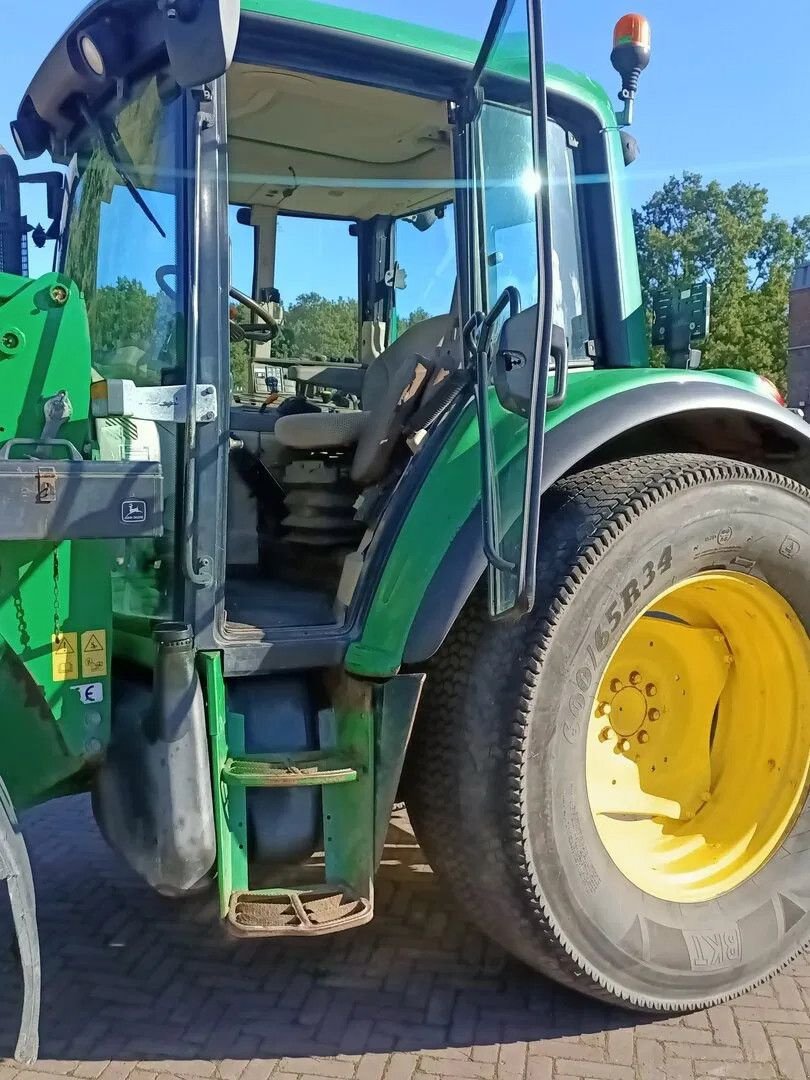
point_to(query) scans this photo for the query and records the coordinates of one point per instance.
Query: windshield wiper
(124, 165)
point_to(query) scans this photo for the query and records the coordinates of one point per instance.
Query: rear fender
(689, 415)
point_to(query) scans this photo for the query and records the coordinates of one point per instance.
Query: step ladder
(343, 769)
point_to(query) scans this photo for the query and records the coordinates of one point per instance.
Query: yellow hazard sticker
(64, 657)
(94, 653)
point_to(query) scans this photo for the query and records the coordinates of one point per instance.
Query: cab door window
(511, 247)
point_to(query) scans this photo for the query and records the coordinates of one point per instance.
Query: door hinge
(464, 112)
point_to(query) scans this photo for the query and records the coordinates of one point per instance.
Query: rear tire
(496, 780)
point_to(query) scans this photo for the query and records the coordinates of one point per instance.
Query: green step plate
(299, 770)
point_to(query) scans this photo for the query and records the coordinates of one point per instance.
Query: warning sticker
(64, 657)
(94, 653)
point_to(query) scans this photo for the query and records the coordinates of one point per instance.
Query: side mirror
(200, 38)
(13, 227)
(54, 189)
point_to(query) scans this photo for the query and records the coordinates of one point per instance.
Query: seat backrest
(392, 388)
(426, 338)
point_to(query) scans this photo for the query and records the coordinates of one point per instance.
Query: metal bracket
(166, 404)
(57, 410)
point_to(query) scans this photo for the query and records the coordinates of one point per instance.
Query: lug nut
(653, 714)
(605, 734)
(624, 745)
(635, 678)
(650, 689)
(603, 709)
(643, 737)
(615, 685)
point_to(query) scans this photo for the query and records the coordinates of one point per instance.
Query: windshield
(116, 250)
(122, 247)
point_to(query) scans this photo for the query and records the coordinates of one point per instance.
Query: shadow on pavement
(130, 975)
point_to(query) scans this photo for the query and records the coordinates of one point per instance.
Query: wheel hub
(699, 743)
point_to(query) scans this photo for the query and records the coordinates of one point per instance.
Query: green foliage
(691, 231)
(416, 316)
(315, 326)
(240, 352)
(123, 314)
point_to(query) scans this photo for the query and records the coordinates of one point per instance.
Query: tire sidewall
(621, 934)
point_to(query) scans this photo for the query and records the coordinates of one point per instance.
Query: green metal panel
(450, 494)
(48, 317)
(49, 737)
(227, 733)
(49, 740)
(348, 809)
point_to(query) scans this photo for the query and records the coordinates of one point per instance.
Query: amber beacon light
(632, 48)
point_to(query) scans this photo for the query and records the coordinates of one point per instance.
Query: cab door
(510, 281)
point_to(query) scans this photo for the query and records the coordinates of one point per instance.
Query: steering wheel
(239, 331)
(253, 331)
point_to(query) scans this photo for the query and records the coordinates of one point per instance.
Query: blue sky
(726, 94)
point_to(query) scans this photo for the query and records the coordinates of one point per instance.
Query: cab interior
(333, 187)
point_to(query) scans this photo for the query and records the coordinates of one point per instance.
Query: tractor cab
(282, 263)
(300, 244)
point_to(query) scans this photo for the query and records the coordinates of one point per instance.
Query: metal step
(288, 770)
(306, 912)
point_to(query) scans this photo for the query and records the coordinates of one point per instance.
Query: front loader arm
(15, 869)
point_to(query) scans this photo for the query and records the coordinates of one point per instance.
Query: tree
(314, 325)
(122, 314)
(691, 231)
(240, 351)
(416, 316)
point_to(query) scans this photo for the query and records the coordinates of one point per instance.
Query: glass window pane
(511, 259)
(570, 308)
(130, 271)
(428, 257)
(317, 277)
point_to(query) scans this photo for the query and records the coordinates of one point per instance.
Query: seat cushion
(320, 431)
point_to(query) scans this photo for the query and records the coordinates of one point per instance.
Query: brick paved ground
(142, 988)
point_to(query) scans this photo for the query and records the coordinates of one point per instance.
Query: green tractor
(491, 562)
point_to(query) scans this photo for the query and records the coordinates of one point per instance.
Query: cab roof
(47, 115)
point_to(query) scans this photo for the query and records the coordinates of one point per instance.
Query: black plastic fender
(15, 870)
(689, 415)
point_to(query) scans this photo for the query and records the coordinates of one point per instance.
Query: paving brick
(745, 1070)
(470, 1070)
(723, 1025)
(789, 1060)
(594, 1070)
(754, 1040)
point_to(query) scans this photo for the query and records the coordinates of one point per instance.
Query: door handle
(559, 354)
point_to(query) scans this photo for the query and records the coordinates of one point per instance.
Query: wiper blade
(123, 163)
(136, 195)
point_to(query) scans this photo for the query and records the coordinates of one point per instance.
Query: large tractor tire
(614, 788)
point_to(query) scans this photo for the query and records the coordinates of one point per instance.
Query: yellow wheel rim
(699, 739)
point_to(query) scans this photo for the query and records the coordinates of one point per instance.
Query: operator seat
(390, 392)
